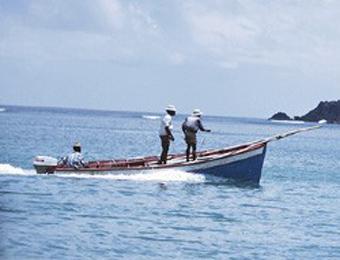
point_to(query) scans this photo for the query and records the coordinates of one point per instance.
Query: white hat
(170, 108)
(197, 112)
(77, 144)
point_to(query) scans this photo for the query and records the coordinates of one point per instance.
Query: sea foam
(293, 122)
(154, 176)
(10, 169)
(150, 117)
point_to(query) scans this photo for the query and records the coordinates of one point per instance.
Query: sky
(248, 58)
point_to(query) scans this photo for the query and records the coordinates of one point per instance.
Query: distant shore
(325, 112)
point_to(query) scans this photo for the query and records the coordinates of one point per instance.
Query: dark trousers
(165, 140)
(189, 147)
(190, 139)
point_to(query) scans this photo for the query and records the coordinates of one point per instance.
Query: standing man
(165, 132)
(190, 127)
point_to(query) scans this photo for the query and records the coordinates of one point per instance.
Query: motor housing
(45, 164)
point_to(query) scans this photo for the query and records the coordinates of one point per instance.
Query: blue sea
(293, 214)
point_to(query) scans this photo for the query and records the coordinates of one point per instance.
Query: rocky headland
(326, 110)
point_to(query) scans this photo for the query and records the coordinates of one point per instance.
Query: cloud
(114, 15)
(294, 34)
(302, 35)
(177, 58)
(85, 30)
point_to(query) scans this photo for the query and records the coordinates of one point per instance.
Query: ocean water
(293, 214)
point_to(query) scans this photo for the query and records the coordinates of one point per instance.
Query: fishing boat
(241, 162)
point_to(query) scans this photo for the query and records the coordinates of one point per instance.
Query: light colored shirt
(192, 123)
(166, 122)
(75, 160)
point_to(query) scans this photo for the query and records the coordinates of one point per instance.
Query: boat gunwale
(217, 154)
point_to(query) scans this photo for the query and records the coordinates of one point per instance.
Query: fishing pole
(202, 143)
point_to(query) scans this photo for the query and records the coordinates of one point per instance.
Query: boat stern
(45, 164)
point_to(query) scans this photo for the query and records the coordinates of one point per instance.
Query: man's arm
(167, 123)
(184, 126)
(81, 160)
(168, 131)
(201, 127)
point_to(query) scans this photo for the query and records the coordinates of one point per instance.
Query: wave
(150, 117)
(154, 176)
(294, 122)
(322, 121)
(2, 109)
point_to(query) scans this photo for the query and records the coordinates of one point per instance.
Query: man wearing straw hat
(165, 132)
(190, 128)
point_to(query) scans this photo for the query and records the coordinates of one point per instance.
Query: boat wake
(9, 169)
(155, 176)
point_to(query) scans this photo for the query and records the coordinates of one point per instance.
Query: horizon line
(122, 111)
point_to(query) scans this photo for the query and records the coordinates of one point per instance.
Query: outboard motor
(45, 164)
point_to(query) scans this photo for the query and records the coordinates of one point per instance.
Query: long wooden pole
(284, 135)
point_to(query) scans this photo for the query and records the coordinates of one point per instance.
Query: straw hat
(197, 112)
(77, 144)
(170, 108)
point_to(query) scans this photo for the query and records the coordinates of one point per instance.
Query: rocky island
(280, 116)
(326, 110)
